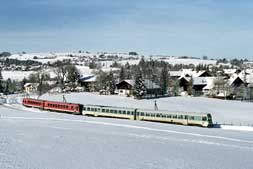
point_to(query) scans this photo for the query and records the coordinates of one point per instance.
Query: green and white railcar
(201, 119)
(108, 111)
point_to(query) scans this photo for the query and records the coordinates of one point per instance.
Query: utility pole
(64, 99)
(156, 108)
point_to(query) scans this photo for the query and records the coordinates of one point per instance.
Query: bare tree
(61, 73)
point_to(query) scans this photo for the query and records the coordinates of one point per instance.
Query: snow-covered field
(30, 138)
(175, 60)
(16, 75)
(223, 111)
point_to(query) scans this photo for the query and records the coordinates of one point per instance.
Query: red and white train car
(54, 106)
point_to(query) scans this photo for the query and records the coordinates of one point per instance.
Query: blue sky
(216, 28)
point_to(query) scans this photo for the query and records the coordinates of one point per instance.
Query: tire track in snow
(134, 127)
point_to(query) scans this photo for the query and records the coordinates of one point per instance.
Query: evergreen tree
(101, 80)
(23, 82)
(189, 87)
(73, 74)
(111, 83)
(122, 74)
(7, 88)
(139, 87)
(1, 81)
(128, 74)
(142, 66)
(164, 79)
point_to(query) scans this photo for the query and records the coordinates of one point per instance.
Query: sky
(214, 28)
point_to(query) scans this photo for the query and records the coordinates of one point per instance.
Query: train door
(43, 104)
(186, 119)
(209, 119)
(136, 114)
(80, 108)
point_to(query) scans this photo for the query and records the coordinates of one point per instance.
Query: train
(198, 119)
(71, 108)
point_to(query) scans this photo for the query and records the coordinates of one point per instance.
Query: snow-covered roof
(187, 72)
(233, 78)
(31, 85)
(199, 81)
(229, 71)
(175, 73)
(207, 81)
(131, 82)
(91, 78)
(148, 83)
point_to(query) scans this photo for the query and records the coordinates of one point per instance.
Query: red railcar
(54, 106)
(63, 107)
(33, 103)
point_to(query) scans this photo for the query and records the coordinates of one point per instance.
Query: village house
(194, 79)
(31, 87)
(88, 83)
(125, 88)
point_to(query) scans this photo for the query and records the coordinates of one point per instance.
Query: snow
(223, 111)
(237, 128)
(30, 138)
(16, 75)
(44, 57)
(175, 60)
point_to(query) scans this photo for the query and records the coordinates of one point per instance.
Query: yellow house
(31, 87)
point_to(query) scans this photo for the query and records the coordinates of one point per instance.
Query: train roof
(103, 106)
(149, 110)
(53, 101)
(172, 112)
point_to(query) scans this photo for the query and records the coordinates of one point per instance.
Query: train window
(157, 115)
(142, 114)
(103, 110)
(115, 111)
(111, 111)
(204, 119)
(88, 109)
(174, 116)
(124, 112)
(169, 116)
(128, 112)
(84, 108)
(180, 117)
(92, 109)
(119, 111)
(185, 117)
(191, 117)
(98, 110)
(147, 114)
(107, 110)
(199, 118)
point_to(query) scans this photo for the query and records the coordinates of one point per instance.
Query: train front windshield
(209, 118)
